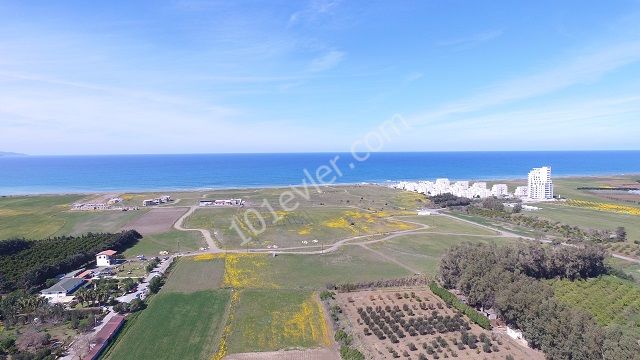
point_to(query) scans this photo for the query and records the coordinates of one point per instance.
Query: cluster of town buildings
(111, 204)
(539, 187)
(157, 201)
(222, 202)
(62, 291)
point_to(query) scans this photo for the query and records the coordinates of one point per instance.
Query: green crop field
(174, 326)
(188, 275)
(267, 320)
(608, 299)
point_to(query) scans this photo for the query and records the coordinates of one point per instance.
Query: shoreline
(260, 187)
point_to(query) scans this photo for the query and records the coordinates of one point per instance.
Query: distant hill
(5, 153)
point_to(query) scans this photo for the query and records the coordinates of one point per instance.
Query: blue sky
(198, 76)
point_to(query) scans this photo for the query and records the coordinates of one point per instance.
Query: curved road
(205, 233)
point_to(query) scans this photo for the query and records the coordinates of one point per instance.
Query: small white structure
(105, 258)
(540, 186)
(517, 335)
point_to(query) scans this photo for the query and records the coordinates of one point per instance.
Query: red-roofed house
(105, 258)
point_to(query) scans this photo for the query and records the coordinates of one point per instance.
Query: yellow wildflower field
(616, 208)
(268, 320)
(242, 270)
(226, 331)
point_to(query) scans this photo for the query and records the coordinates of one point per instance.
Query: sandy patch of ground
(156, 221)
(311, 354)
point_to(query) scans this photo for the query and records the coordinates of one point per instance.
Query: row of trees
(507, 280)
(453, 301)
(409, 281)
(449, 200)
(26, 264)
(493, 208)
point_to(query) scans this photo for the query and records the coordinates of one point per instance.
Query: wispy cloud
(314, 9)
(472, 40)
(583, 68)
(414, 76)
(326, 61)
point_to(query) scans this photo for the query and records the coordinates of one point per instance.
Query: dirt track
(312, 354)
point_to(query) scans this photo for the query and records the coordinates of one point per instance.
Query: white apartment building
(521, 191)
(500, 190)
(540, 186)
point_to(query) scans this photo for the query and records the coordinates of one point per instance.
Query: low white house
(221, 202)
(62, 290)
(106, 258)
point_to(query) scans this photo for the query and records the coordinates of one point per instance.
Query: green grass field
(174, 326)
(33, 217)
(188, 275)
(325, 224)
(518, 230)
(171, 241)
(608, 299)
(423, 251)
(267, 320)
(590, 219)
(349, 264)
(448, 225)
(80, 222)
(629, 268)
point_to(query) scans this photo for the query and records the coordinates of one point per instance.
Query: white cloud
(326, 61)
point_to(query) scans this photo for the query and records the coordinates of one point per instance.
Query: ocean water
(78, 174)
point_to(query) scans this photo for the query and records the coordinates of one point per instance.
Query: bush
(326, 295)
(348, 353)
(452, 300)
(155, 284)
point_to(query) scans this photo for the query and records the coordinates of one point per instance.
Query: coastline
(281, 186)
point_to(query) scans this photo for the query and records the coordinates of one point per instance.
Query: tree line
(508, 279)
(27, 264)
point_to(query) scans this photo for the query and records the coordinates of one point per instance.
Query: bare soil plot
(156, 221)
(311, 354)
(415, 324)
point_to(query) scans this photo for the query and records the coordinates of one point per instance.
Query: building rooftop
(108, 252)
(65, 285)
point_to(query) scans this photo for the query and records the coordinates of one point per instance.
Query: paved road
(77, 351)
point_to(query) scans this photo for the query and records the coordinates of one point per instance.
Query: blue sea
(80, 174)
